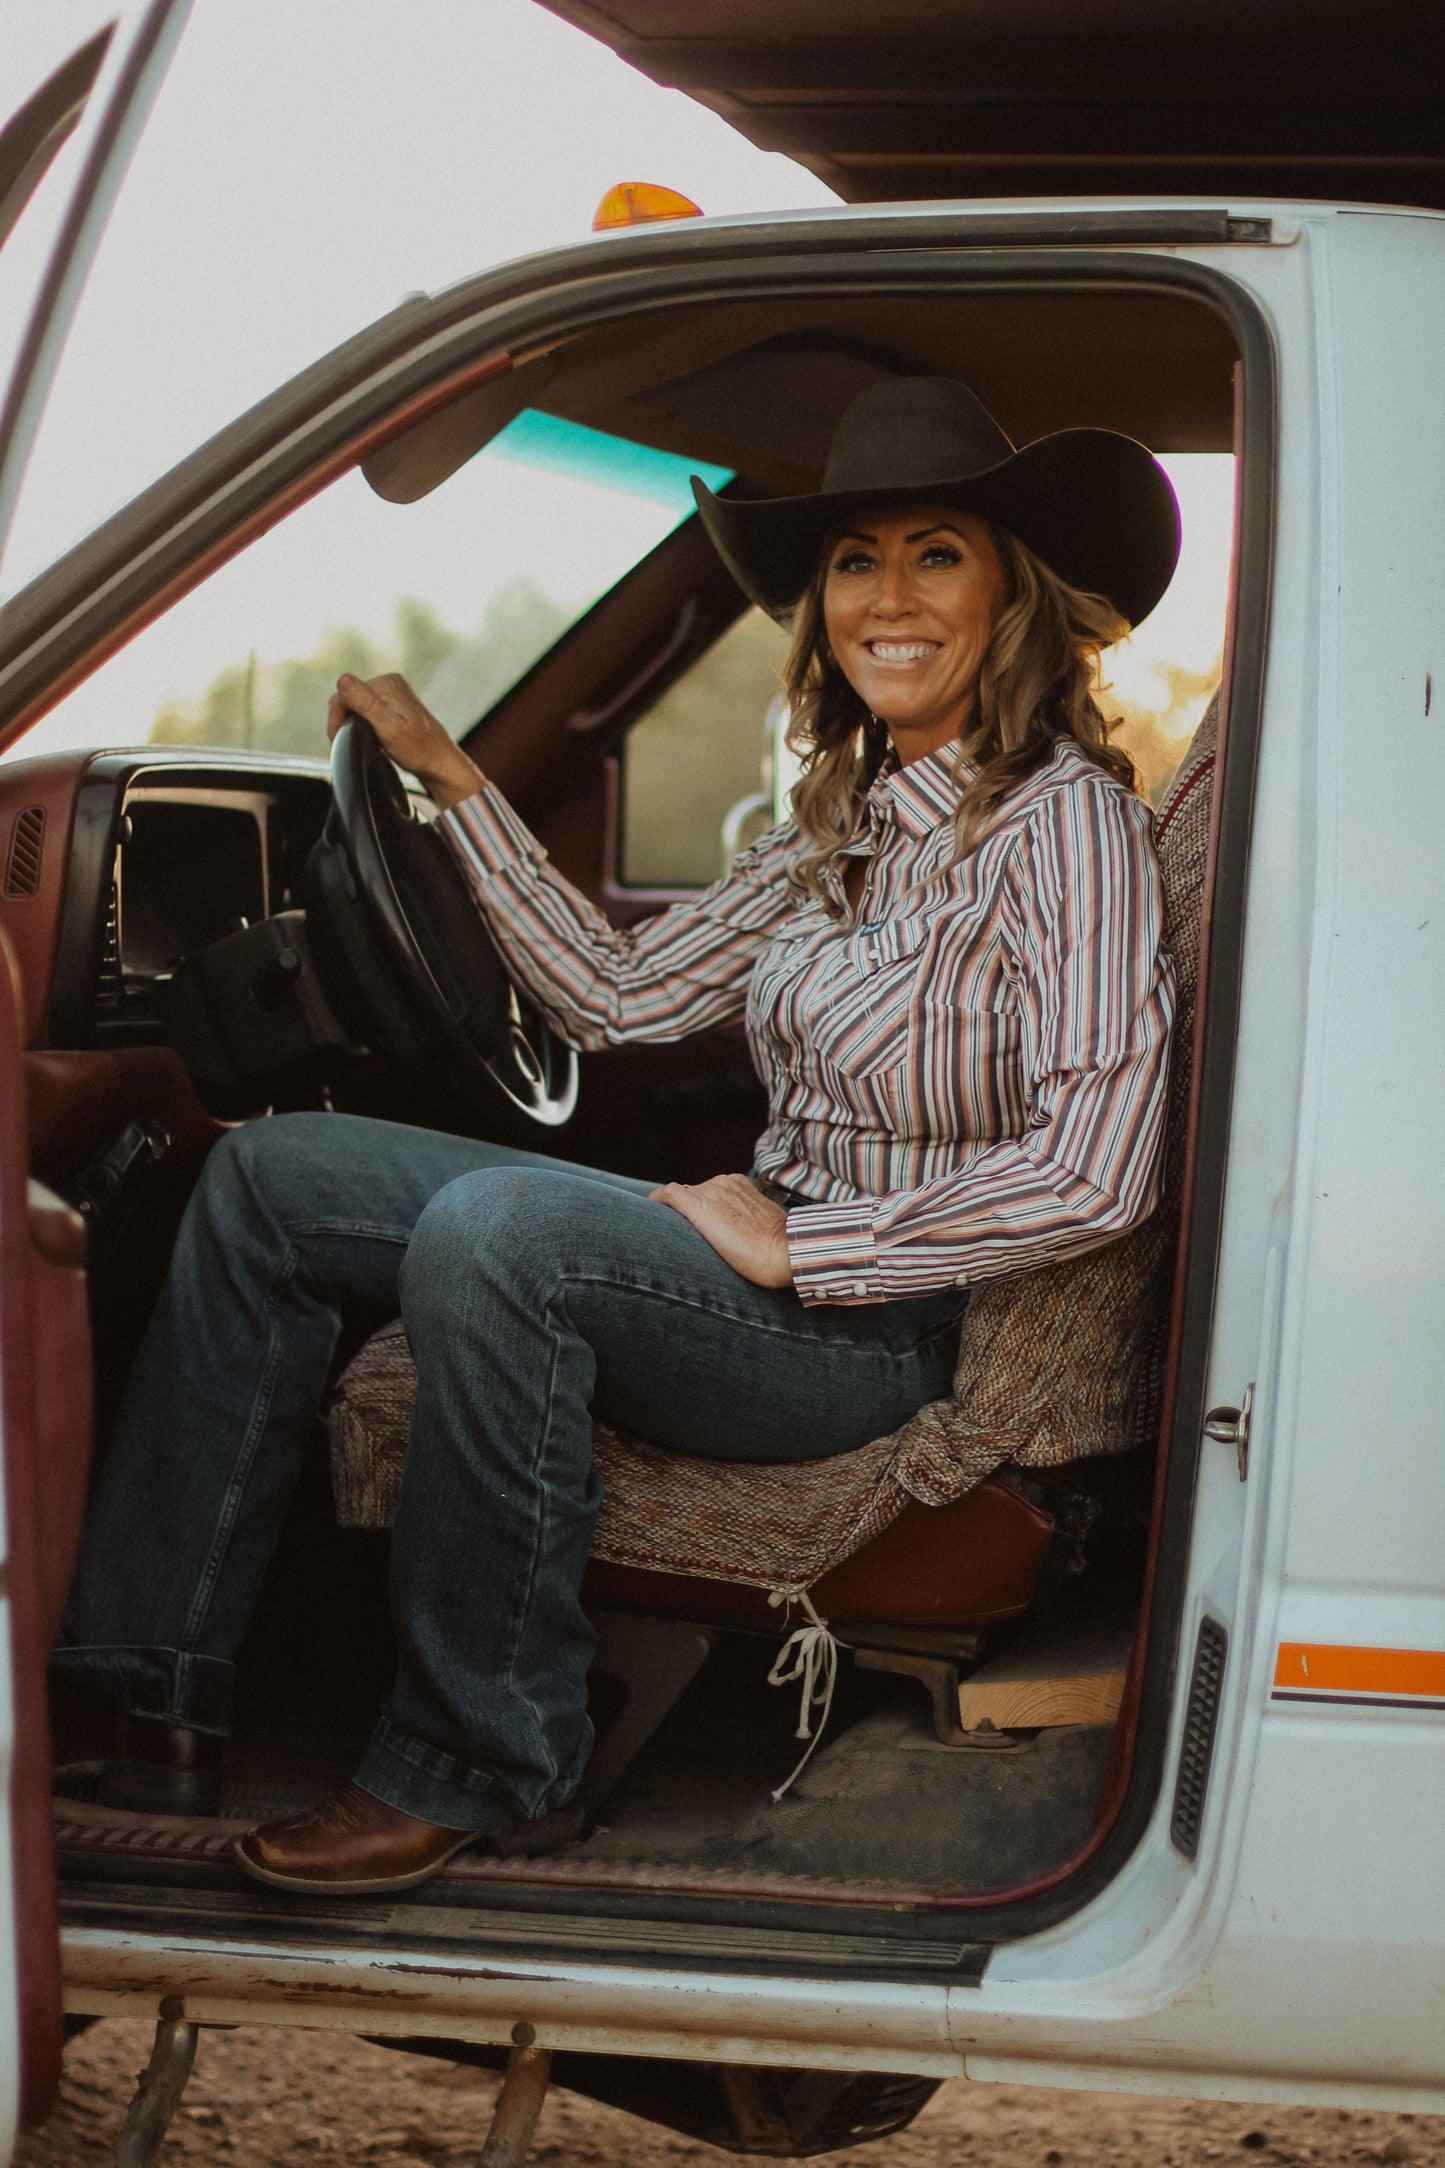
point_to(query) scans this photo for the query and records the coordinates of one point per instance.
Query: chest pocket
(860, 1022)
(891, 941)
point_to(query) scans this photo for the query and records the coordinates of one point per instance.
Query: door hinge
(1230, 1426)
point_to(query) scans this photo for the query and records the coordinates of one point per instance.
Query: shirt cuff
(830, 1247)
(486, 835)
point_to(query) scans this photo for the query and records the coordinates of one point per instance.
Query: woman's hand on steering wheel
(408, 733)
(743, 1226)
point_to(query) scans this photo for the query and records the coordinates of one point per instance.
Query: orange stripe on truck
(1325, 1668)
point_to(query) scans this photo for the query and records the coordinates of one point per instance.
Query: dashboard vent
(107, 979)
(27, 843)
(1197, 1751)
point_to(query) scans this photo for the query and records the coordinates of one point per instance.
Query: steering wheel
(405, 954)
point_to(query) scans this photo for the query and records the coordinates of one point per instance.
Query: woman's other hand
(742, 1225)
(408, 732)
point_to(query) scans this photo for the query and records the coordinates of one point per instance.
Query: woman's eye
(941, 553)
(853, 561)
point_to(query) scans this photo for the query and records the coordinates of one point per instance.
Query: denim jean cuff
(172, 1684)
(407, 1772)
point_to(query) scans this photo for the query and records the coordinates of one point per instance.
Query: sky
(307, 166)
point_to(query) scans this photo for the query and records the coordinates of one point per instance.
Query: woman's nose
(894, 597)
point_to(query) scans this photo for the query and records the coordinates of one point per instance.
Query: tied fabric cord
(809, 1654)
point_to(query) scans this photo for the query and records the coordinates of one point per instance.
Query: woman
(949, 964)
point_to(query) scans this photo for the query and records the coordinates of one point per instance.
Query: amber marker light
(641, 203)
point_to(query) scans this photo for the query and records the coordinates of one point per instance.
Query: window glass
(462, 592)
(697, 768)
(1161, 679)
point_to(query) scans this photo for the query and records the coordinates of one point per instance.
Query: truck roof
(888, 100)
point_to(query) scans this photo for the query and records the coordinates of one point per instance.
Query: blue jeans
(532, 1292)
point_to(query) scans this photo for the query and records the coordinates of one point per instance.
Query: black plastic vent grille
(27, 842)
(1198, 1749)
(107, 978)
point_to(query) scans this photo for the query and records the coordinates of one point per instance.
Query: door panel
(680, 1112)
(44, 1336)
(548, 741)
(45, 1423)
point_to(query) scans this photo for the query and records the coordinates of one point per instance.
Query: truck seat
(974, 1562)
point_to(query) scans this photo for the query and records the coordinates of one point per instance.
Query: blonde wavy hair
(1037, 685)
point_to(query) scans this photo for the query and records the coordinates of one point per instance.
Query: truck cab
(1160, 1889)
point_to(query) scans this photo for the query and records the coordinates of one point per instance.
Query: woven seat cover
(1054, 1366)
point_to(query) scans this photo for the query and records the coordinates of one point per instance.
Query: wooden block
(1037, 1688)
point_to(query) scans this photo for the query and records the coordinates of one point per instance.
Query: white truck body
(1300, 1955)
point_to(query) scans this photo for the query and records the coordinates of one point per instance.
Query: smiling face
(910, 601)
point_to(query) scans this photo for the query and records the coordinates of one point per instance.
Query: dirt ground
(259, 2097)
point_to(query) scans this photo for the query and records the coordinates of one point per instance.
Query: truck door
(92, 106)
(45, 1431)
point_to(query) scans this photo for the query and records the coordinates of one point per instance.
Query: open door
(45, 1431)
(100, 95)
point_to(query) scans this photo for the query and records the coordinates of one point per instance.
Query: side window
(697, 768)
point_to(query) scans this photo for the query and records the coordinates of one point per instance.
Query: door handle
(593, 718)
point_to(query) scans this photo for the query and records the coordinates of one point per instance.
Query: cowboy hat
(1094, 505)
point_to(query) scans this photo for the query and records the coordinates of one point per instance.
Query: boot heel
(163, 1769)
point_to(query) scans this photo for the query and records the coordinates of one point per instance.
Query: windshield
(462, 592)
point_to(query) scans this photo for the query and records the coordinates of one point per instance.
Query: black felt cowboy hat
(1095, 506)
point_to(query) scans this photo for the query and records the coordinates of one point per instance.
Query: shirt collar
(924, 794)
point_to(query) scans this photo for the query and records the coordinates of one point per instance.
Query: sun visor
(421, 458)
(775, 404)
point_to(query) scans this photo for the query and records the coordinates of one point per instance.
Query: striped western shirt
(965, 1075)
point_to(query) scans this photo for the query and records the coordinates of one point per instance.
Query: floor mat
(882, 1811)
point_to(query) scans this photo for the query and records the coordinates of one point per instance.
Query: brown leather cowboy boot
(356, 1846)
